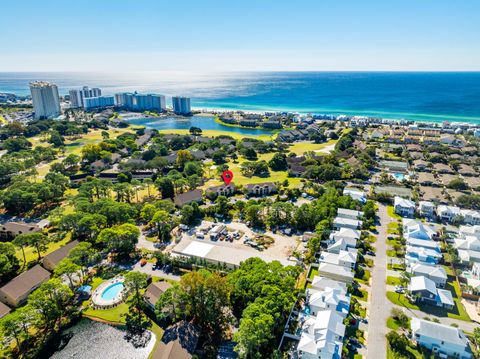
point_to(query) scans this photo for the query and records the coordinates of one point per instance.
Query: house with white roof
(346, 259)
(426, 209)
(422, 255)
(328, 299)
(322, 283)
(349, 213)
(355, 194)
(343, 233)
(467, 256)
(404, 207)
(424, 290)
(469, 243)
(437, 274)
(336, 272)
(470, 217)
(468, 249)
(465, 231)
(342, 244)
(442, 340)
(340, 222)
(417, 230)
(473, 277)
(448, 213)
(420, 243)
(322, 336)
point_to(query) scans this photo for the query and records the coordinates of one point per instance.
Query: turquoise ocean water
(419, 96)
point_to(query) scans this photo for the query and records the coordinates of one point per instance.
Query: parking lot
(239, 235)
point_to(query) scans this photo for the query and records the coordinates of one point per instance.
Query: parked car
(399, 289)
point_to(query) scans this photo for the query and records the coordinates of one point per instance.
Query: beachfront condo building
(98, 102)
(46, 102)
(140, 102)
(181, 105)
(150, 102)
(78, 96)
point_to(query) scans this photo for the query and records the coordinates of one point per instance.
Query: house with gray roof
(15, 292)
(442, 340)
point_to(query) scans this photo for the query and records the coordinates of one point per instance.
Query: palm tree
(22, 241)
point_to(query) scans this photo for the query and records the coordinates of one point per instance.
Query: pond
(203, 122)
(93, 340)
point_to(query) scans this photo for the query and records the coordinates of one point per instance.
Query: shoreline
(395, 116)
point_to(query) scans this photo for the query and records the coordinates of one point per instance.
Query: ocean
(418, 96)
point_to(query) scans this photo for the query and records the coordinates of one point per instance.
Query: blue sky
(229, 35)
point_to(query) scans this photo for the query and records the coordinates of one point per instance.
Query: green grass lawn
(366, 277)
(363, 295)
(392, 253)
(114, 315)
(458, 312)
(392, 324)
(300, 148)
(395, 266)
(393, 280)
(214, 133)
(413, 353)
(313, 273)
(30, 255)
(400, 300)
(240, 179)
(391, 212)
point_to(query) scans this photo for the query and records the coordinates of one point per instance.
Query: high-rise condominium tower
(46, 102)
(77, 97)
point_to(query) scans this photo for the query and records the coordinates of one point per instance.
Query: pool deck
(99, 302)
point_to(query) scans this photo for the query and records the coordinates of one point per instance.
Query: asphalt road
(380, 307)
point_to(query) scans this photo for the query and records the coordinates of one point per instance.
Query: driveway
(143, 243)
(148, 269)
(380, 307)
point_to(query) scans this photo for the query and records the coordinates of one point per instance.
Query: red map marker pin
(227, 176)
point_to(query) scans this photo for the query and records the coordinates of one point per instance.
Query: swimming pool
(398, 176)
(112, 291)
(109, 293)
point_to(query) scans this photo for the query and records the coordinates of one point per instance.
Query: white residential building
(340, 222)
(470, 217)
(404, 207)
(465, 231)
(448, 213)
(328, 299)
(46, 102)
(421, 243)
(336, 272)
(426, 209)
(417, 230)
(322, 336)
(343, 258)
(436, 274)
(356, 194)
(349, 213)
(78, 96)
(421, 255)
(469, 243)
(344, 233)
(442, 340)
(322, 283)
(343, 244)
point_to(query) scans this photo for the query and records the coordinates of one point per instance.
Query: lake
(203, 122)
(94, 340)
